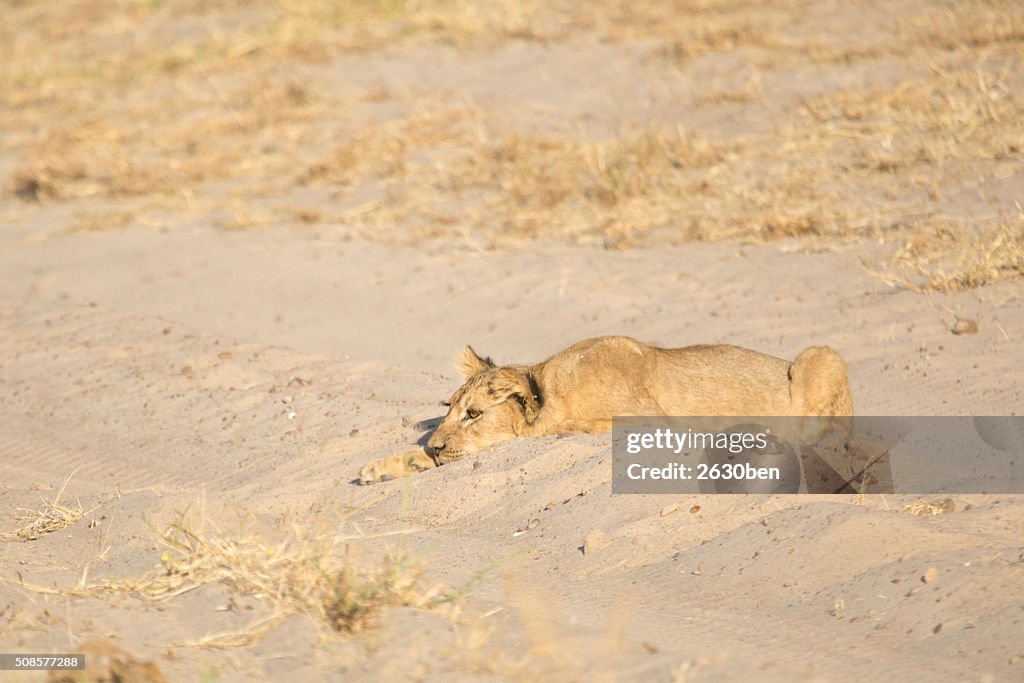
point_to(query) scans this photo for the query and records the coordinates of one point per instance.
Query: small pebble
(964, 326)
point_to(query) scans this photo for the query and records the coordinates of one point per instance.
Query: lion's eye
(472, 413)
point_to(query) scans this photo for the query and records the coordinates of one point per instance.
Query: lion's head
(494, 404)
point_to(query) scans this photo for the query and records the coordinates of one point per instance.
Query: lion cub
(581, 388)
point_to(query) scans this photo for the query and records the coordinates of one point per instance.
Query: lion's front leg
(595, 426)
(396, 466)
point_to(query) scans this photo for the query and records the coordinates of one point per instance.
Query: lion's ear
(469, 364)
(521, 387)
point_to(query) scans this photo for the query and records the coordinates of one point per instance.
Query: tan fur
(581, 388)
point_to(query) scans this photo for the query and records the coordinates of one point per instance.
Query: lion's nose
(435, 445)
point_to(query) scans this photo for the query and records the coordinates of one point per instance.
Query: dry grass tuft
(351, 601)
(509, 188)
(953, 257)
(382, 150)
(544, 172)
(972, 25)
(106, 222)
(299, 572)
(928, 508)
(951, 117)
(51, 517)
(696, 28)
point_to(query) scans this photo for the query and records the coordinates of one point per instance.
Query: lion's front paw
(396, 466)
(375, 472)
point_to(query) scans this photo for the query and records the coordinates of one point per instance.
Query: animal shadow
(427, 427)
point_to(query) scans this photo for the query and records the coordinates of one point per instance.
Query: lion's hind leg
(820, 392)
(819, 384)
(396, 466)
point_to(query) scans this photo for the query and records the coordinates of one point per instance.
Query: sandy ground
(171, 372)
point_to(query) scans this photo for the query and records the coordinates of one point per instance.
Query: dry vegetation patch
(50, 517)
(953, 116)
(294, 570)
(953, 257)
(152, 109)
(929, 508)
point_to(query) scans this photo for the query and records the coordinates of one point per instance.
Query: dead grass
(510, 188)
(103, 222)
(929, 508)
(128, 42)
(953, 116)
(695, 27)
(185, 106)
(972, 25)
(540, 186)
(51, 517)
(442, 155)
(252, 128)
(382, 150)
(953, 256)
(298, 571)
